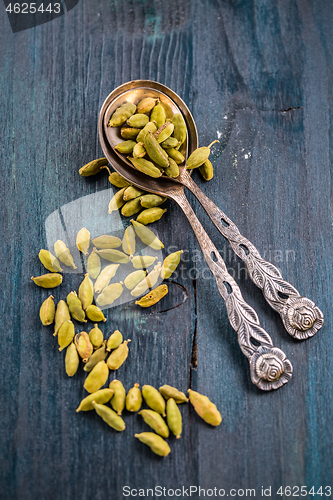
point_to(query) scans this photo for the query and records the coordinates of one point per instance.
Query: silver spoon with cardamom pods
(300, 316)
(269, 367)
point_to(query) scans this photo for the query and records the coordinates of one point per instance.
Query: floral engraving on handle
(301, 321)
(270, 369)
(269, 366)
(301, 317)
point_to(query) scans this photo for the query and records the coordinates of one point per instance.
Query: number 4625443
(30, 8)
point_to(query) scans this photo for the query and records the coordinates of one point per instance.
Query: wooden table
(259, 77)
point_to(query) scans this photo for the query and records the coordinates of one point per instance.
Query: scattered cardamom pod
(156, 443)
(47, 311)
(118, 356)
(83, 345)
(97, 377)
(119, 397)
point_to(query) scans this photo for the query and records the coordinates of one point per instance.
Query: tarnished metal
(269, 367)
(301, 317)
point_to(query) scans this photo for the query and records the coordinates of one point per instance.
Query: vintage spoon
(301, 317)
(269, 367)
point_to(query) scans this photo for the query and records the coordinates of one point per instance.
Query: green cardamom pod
(50, 262)
(83, 240)
(139, 120)
(199, 156)
(134, 278)
(72, 360)
(109, 416)
(93, 167)
(93, 264)
(50, 280)
(66, 334)
(114, 340)
(102, 396)
(96, 337)
(86, 292)
(170, 142)
(156, 443)
(118, 400)
(94, 313)
(109, 294)
(63, 254)
(146, 104)
(97, 377)
(175, 155)
(180, 131)
(158, 115)
(113, 255)
(105, 276)
(97, 356)
(148, 282)
(168, 392)
(106, 241)
(153, 399)
(150, 215)
(147, 236)
(170, 264)
(47, 311)
(139, 150)
(155, 152)
(61, 315)
(75, 307)
(151, 200)
(207, 170)
(143, 261)
(129, 133)
(155, 421)
(122, 114)
(172, 170)
(164, 132)
(134, 399)
(128, 242)
(117, 201)
(125, 147)
(116, 179)
(118, 356)
(131, 207)
(83, 345)
(174, 418)
(145, 166)
(153, 296)
(205, 408)
(131, 193)
(150, 127)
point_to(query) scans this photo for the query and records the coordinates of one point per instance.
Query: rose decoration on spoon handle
(269, 366)
(301, 317)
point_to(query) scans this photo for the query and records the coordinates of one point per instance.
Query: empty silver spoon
(269, 367)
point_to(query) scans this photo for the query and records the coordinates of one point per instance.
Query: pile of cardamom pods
(100, 355)
(154, 140)
(129, 198)
(159, 140)
(162, 403)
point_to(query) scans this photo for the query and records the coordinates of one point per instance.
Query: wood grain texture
(258, 76)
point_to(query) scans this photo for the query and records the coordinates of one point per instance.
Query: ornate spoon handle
(269, 367)
(301, 317)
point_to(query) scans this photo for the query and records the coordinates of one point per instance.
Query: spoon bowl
(109, 137)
